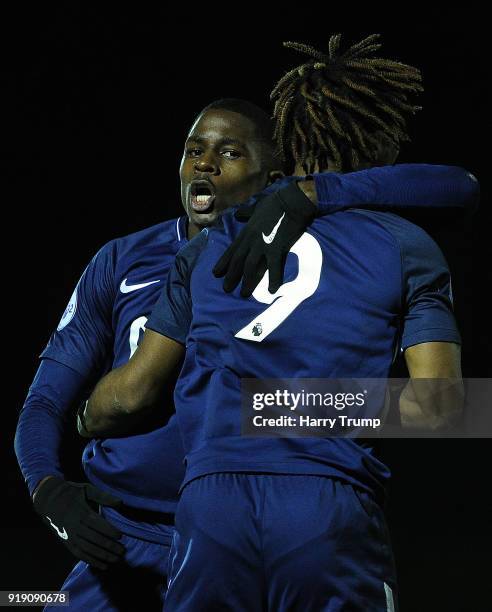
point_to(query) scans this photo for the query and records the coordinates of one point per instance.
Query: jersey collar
(181, 228)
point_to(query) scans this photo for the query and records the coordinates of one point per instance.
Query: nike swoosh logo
(269, 239)
(124, 288)
(63, 534)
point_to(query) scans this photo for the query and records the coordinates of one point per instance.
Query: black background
(99, 103)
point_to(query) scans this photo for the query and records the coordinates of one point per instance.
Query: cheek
(183, 191)
(248, 182)
(184, 174)
(251, 185)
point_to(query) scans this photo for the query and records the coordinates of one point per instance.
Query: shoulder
(165, 233)
(394, 224)
(410, 238)
(422, 262)
(156, 241)
(159, 240)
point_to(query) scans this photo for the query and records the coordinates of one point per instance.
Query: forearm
(432, 404)
(39, 421)
(434, 396)
(125, 395)
(403, 186)
(115, 406)
(42, 421)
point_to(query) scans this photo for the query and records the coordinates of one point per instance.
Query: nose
(206, 164)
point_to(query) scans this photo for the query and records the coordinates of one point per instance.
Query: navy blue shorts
(253, 542)
(138, 584)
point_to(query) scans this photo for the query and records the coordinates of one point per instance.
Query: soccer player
(294, 524)
(228, 157)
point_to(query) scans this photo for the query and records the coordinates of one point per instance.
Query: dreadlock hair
(338, 108)
(264, 125)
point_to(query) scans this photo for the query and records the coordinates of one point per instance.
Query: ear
(387, 150)
(275, 175)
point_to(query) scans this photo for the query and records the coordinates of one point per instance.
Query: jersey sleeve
(405, 186)
(84, 337)
(55, 390)
(172, 313)
(426, 292)
(77, 353)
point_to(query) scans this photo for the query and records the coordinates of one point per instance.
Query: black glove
(71, 510)
(275, 223)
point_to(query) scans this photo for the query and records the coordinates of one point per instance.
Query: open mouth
(202, 196)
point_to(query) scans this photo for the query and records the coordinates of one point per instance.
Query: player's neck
(192, 230)
(300, 171)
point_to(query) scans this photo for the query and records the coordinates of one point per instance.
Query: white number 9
(289, 295)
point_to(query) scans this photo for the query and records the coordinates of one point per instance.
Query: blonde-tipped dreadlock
(337, 107)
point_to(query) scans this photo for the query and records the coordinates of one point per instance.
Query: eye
(231, 154)
(193, 152)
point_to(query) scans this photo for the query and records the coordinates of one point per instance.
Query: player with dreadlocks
(293, 523)
(345, 110)
(338, 112)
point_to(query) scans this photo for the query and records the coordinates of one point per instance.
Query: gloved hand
(71, 510)
(275, 223)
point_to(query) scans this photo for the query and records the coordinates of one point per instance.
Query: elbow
(452, 410)
(446, 420)
(84, 423)
(432, 405)
(17, 445)
(113, 419)
(433, 423)
(472, 191)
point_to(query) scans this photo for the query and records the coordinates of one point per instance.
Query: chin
(203, 220)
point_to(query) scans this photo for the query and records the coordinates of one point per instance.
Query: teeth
(201, 199)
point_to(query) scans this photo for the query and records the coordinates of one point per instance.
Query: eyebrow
(223, 141)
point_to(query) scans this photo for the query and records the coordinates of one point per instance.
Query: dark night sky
(99, 103)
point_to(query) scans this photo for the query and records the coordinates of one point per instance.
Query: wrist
(40, 485)
(296, 203)
(308, 188)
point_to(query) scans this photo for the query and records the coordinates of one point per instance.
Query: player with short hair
(228, 157)
(292, 524)
(130, 479)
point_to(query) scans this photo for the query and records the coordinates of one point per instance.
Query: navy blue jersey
(100, 330)
(106, 316)
(358, 285)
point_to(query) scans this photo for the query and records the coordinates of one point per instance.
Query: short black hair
(262, 121)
